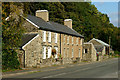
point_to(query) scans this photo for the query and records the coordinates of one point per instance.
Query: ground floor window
(64, 52)
(44, 52)
(49, 52)
(79, 52)
(86, 51)
(72, 52)
(67, 52)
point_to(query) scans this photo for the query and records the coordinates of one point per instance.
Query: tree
(12, 31)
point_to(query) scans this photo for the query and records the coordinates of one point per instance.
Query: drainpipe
(24, 57)
(60, 43)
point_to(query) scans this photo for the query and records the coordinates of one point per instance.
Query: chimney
(43, 14)
(68, 22)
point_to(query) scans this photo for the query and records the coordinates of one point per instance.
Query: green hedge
(117, 52)
(9, 59)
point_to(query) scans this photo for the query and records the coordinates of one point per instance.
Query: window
(49, 52)
(77, 41)
(67, 39)
(44, 52)
(72, 40)
(55, 37)
(72, 52)
(85, 50)
(79, 52)
(64, 52)
(67, 52)
(49, 36)
(56, 48)
(64, 39)
(44, 36)
(81, 41)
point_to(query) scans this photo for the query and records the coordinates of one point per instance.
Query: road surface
(103, 69)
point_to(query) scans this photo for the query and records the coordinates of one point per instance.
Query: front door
(56, 48)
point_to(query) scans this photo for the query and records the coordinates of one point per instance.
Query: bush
(117, 52)
(9, 59)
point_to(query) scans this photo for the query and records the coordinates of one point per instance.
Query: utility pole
(109, 43)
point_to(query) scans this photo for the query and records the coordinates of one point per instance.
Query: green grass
(10, 70)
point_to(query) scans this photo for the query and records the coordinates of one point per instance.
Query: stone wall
(70, 51)
(93, 55)
(91, 52)
(33, 53)
(34, 50)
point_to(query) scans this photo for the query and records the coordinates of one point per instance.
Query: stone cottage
(89, 52)
(43, 36)
(95, 49)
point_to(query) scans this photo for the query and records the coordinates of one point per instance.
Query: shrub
(9, 59)
(117, 52)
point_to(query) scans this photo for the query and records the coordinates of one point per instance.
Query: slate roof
(103, 43)
(52, 26)
(26, 38)
(99, 48)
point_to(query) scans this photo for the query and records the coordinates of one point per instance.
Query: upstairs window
(77, 41)
(49, 36)
(72, 40)
(67, 39)
(64, 39)
(55, 37)
(81, 42)
(44, 36)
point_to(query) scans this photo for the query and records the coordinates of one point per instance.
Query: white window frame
(49, 36)
(44, 52)
(64, 52)
(49, 54)
(44, 36)
(81, 42)
(64, 39)
(77, 41)
(72, 52)
(67, 39)
(55, 37)
(72, 40)
(79, 52)
(67, 52)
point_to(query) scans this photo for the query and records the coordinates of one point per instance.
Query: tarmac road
(103, 69)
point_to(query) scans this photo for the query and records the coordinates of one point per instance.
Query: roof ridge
(52, 26)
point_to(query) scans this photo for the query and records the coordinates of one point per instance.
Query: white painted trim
(87, 43)
(103, 43)
(30, 41)
(30, 22)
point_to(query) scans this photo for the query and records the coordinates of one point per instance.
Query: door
(56, 48)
